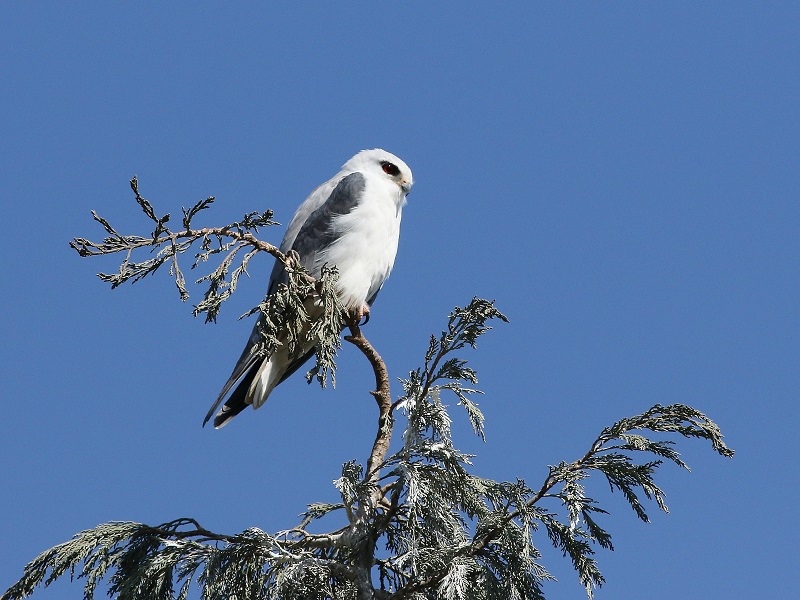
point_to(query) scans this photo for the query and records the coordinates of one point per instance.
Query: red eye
(390, 168)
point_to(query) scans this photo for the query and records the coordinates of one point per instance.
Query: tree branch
(621, 472)
(383, 397)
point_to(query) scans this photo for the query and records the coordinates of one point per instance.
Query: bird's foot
(358, 316)
(363, 315)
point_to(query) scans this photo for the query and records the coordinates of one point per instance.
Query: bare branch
(382, 395)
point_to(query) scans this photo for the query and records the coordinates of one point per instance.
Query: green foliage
(418, 524)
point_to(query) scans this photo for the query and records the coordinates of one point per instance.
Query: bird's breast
(364, 252)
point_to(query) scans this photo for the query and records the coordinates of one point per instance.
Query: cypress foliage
(420, 525)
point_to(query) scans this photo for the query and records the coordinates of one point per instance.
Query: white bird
(351, 221)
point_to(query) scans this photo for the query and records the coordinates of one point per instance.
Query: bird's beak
(405, 186)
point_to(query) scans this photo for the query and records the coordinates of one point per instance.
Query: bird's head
(383, 164)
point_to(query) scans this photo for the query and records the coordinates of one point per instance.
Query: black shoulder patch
(316, 232)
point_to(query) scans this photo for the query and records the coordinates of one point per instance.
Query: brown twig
(382, 395)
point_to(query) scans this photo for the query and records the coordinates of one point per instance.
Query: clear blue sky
(622, 178)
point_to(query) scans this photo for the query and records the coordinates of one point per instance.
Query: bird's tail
(255, 377)
(258, 383)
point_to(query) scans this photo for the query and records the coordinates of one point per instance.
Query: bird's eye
(390, 168)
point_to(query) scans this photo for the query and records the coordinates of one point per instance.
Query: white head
(383, 164)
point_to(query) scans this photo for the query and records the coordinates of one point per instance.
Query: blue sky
(621, 178)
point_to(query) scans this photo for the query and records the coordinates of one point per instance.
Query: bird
(352, 221)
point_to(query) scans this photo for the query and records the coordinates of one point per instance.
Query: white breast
(365, 252)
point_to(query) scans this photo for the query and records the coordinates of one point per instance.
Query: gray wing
(317, 231)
